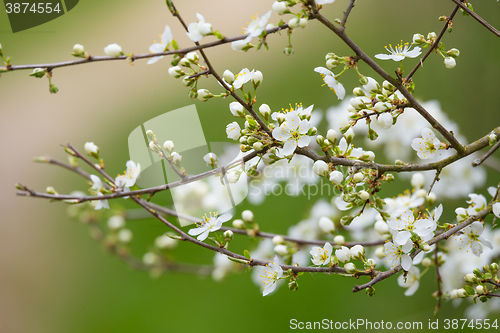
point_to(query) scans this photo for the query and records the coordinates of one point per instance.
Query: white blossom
(343, 254)
(113, 50)
(428, 146)
(165, 39)
(233, 131)
(293, 132)
(400, 52)
(207, 225)
(331, 81)
(270, 276)
(472, 238)
(196, 30)
(411, 281)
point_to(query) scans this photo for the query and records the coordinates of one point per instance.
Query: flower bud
(357, 251)
(320, 140)
(363, 195)
(91, 149)
(280, 7)
(211, 160)
(385, 120)
(450, 62)
(168, 145)
(78, 50)
(265, 110)
(349, 135)
(470, 278)
(192, 57)
(431, 198)
(492, 138)
(175, 72)
(371, 85)
(461, 293)
(336, 177)
(339, 240)
(418, 180)
(303, 22)
(293, 23)
(185, 62)
(431, 36)
(358, 92)
(176, 158)
(454, 52)
(332, 63)
(278, 239)
(281, 249)
(418, 39)
(149, 258)
(228, 76)
(204, 95)
(113, 50)
(257, 146)
(331, 135)
(228, 235)
(153, 147)
(125, 236)
(358, 177)
(239, 224)
(257, 78)
(480, 290)
(53, 88)
(116, 222)
(247, 216)
(326, 225)
(379, 252)
(350, 267)
(320, 168)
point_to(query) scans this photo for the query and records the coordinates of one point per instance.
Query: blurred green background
(55, 278)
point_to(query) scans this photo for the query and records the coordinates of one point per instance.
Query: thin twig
(346, 14)
(477, 18)
(438, 280)
(434, 45)
(488, 154)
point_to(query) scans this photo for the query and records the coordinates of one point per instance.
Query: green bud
(320, 140)
(257, 146)
(477, 272)
(293, 285)
(288, 50)
(51, 190)
(193, 94)
(363, 80)
(312, 131)
(370, 291)
(39, 72)
(251, 140)
(53, 89)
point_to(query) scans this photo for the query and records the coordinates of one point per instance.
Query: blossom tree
(358, 233)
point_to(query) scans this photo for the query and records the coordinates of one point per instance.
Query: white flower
(236, 109)
(472, 238)
(321, 255)
(176, 157)
(385, 120)
(265, 110)
(399, 52)
(210, 159)
(331, 135)
(271, 274)
(331, 81)
(197, 30)
(233, 131)
(116, 222)
(350, 268)
(204, 95)
(257, 26)
(398, 254)
(372, 85)
(207, 225)
(418, 180)
(113, 50)
(477, 203)
(91, 148)
(257, 77)
(130, 176)
(243, 77)
(280, 7)
(411, 281)
(165, 40)
(405, 225)
(326, 225)
(343, 254)
(450, 62)
(427, 146)
(324, 2)
(293, 132)
(101, 203)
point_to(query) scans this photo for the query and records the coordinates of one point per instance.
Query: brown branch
(346, 14)
(477, 17)
(488, 154)
(434, 45)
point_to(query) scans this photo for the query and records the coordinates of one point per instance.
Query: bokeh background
(55, 278)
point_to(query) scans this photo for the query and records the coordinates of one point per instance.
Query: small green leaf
(247, 254)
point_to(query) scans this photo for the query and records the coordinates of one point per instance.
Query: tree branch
(477, 17)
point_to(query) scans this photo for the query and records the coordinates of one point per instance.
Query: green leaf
(469, 290)
(247, 254)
